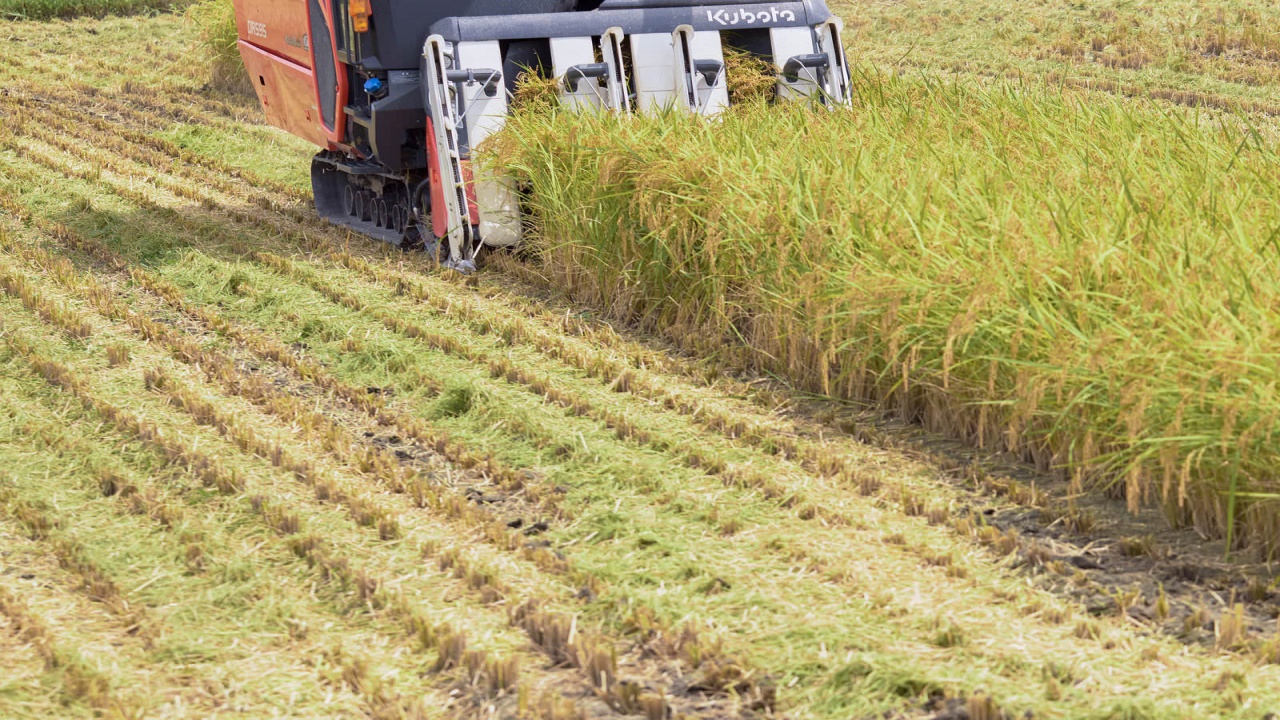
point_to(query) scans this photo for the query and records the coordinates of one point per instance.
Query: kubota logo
(747, 17)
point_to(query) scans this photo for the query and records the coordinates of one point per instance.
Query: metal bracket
(794, 66)
(710, 70)
(490, 78)
(578, 73)
(838, 80)
(619, 97)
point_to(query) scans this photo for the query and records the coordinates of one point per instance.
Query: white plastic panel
(486, 115)
(707, 46)
(653, 56)
(570, 51)
(788, 43)
(664, 71)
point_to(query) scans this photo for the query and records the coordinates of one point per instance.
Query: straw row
(151, 151)
(137, 495)
(80, 681)
(450, 645)
(193, 107)
(95, 583)
(339, 442)
(65, 319)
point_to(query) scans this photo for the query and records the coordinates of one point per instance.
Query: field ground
(1215, 52)
(252, 465)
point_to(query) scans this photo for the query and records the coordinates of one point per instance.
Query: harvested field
(250, 464)
(1216, 53)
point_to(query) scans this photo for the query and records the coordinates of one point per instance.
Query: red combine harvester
(397, 92)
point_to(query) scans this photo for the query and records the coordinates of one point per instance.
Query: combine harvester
(399, 92)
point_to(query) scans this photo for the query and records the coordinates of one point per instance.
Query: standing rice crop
(215, 21)
(1083, 280)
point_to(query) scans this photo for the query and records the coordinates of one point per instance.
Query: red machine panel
(287, 92)
(280, 27)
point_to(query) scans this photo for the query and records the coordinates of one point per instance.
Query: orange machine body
(275, 44)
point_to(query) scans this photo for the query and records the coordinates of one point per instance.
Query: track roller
(367, 202)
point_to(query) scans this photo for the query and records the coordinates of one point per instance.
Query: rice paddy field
(958, 404)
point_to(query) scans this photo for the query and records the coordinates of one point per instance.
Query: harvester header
(397, 93)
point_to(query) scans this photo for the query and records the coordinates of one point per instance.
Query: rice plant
(1078, 279)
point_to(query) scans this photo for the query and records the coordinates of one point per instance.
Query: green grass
(1083, 280)
(51, 9)
(272, 153)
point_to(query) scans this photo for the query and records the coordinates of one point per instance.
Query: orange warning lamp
(360, 14)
